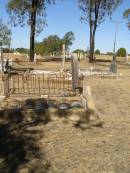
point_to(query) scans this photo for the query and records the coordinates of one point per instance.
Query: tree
(68, 39)
(52, 45)
(5, 35)
(94, 12)
(7, 50)
(31, 12)
(121, 52)
(97, 52)
(126, 16)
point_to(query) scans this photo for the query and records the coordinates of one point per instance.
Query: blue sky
(64, 16)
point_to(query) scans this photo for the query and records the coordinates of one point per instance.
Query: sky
(65, 16)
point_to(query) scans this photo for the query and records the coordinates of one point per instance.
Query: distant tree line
(51, 45)
(19, 50)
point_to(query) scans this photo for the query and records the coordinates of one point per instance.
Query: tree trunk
(91, 55)
(32, 32)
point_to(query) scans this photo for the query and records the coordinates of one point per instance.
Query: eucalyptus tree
(68, 39)
(94, 13)
(126, 16)
(53, 44)
(5, 35)
(30, 12)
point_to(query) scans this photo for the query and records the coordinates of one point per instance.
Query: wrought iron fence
(54, 84)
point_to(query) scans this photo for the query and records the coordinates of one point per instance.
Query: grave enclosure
(52, 84)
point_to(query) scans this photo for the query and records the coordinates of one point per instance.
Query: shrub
(97, 52)
(121, 52)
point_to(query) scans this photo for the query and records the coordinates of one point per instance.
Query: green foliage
(126, 16)
(7, 50)
(5, 35)
(97, 52)
(22, 50)
(94, 12)
(30, 12)
(68, 39)
(20, 12)
(121, 52)
(52, 45)
(79, 51)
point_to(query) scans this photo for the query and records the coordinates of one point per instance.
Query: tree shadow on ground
(19, 136)
(103, 60)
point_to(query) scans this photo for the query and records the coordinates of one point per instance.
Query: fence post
(6, 85)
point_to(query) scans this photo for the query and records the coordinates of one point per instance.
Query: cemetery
(64, 96)
(75, 113)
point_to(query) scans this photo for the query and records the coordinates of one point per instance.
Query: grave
(61, 90)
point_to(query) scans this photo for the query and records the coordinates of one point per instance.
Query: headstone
(113, 67)
(75, 72)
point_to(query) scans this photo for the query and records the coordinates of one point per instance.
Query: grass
(63, 147)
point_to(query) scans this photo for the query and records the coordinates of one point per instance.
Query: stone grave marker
(75, 72)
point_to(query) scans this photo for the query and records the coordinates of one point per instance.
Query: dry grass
(71, 149)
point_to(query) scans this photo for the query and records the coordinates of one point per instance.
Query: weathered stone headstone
(75, 72)
(113, 67)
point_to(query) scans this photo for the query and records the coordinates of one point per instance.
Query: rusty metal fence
(24, 84)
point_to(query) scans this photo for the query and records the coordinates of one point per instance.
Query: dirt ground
(59, 146)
